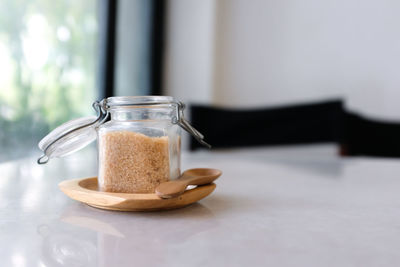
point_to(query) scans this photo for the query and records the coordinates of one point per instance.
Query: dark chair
(366, 137)
(298, 124)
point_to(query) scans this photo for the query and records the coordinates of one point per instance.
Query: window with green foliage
(48, 59)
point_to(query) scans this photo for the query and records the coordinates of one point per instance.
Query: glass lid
(71, 136)
(61, 141)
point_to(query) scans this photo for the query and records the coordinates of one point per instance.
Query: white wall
(190, 47)
(271, 52)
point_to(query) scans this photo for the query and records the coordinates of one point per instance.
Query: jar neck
(142, 113)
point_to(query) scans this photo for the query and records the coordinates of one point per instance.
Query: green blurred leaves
(48, 58)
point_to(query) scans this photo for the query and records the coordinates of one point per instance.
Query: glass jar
(139, 141)
(140, 146)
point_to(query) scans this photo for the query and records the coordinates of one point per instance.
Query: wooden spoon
(177, 187)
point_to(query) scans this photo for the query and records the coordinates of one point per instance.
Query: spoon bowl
(202, 172)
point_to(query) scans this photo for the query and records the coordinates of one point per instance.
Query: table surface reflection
(283, 206)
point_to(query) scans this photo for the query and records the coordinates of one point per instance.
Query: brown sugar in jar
(139, 147)
(132, 162)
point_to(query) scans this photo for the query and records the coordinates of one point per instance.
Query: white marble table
(293, 206)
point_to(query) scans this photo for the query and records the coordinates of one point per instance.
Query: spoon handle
(177, 187)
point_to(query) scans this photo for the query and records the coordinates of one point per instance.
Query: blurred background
(57, 57)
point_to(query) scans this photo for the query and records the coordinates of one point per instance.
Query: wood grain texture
(86, 190)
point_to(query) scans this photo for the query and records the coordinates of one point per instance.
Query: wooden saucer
(86, 190)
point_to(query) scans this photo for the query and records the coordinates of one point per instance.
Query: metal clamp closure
(182, 122)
